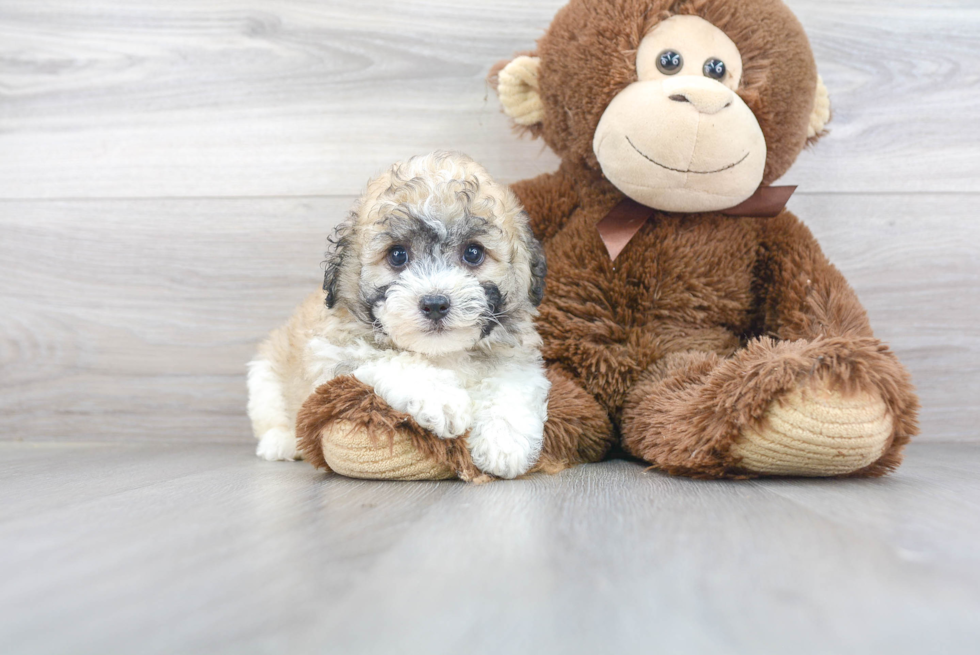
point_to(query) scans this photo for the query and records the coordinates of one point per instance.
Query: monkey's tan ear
(517, 86)
(821, 111)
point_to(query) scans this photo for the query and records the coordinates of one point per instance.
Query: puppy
(430, 290)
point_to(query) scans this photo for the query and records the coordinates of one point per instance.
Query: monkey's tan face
(680, 138)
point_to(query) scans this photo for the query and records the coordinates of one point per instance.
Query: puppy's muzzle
(434, 307)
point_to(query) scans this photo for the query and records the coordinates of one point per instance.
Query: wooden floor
(201, 548)
(169, 172)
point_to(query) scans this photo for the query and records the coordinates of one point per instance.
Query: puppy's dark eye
(473, 254)
(397, 256)
(715, 69)
(670, 62)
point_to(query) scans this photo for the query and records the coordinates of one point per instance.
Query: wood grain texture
(111, 98)
(205, 549)
(133, 319)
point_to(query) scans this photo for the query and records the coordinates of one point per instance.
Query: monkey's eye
(715, 69)
(670, 62)
(473, 254)
(397, 256)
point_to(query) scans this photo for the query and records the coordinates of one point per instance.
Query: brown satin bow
(625, 220)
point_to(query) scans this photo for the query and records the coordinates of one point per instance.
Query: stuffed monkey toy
(687, 315)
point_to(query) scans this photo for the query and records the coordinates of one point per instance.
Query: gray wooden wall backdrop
(169, 172)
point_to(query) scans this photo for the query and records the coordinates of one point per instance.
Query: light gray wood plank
(132, 320)
(203, 548)
(235, 98)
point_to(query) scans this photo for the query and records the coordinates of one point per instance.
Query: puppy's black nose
(435, 308)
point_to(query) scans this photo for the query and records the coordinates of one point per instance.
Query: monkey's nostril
(679, 98)
(434, 307)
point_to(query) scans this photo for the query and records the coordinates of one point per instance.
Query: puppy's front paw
(434, 397)
(445, 410)
(497, 448)
(277, 444)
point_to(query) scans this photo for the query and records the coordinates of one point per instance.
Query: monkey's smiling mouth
(677, 170)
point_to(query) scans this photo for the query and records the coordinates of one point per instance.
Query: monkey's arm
(549, 200)
(801, 294)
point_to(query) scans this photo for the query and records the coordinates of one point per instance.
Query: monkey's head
(684, 105)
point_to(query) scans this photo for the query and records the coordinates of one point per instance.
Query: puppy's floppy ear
(539, 267)
(339, 243)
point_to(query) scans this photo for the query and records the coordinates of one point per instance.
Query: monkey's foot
(352, 449)
(816, 431)
(345, 427)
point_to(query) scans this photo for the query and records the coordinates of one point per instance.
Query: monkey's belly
(608, 359)
(680, 284)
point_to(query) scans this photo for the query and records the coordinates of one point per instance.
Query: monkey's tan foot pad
(349, 450)
(816, 432)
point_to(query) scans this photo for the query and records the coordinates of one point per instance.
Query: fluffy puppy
(430, 290)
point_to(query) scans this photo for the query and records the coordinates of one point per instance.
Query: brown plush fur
(704, 320)
(577, 429)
